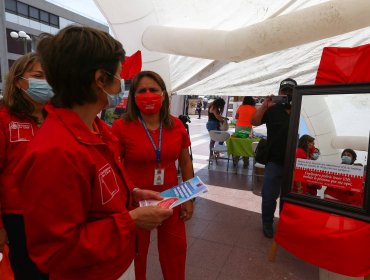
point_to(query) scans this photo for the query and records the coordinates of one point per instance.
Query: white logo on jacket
(108, 183)
(20, 132)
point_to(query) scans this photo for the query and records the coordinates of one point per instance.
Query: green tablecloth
(240, 146)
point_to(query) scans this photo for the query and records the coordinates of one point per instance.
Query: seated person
(349, 157)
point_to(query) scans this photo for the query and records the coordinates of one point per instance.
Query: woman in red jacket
(21, 114)
(306, 146)
(151, 141)
(77, 198)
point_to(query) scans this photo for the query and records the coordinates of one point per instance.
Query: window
(34, 13)
(22, 9)
(44, 16)
(11, 6)
(54, 20)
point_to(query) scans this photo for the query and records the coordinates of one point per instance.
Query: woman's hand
(150, 217)
(139, 194)
(186, 210)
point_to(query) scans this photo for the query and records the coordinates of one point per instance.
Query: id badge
(158, 177)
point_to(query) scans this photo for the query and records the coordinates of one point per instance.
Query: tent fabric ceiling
(256, 76)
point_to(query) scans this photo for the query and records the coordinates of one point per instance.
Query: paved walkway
(225, 240)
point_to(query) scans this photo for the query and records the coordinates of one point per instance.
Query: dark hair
(13, 97)
(352, 152)
(218, 103)
(288, 83)
(303, 142)
(133, 111)
(70, 59)
(249, 100)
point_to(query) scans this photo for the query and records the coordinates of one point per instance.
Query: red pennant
(131, 66)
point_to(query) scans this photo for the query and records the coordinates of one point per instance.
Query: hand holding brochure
(179, 194)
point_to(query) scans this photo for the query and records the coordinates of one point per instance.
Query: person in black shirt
(276, 117)
(199, 108)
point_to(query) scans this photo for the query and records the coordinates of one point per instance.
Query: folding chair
(218, 136)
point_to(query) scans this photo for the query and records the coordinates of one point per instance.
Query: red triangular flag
(131, 66)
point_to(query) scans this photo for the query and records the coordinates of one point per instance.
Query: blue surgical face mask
(39, 90)
(115, 99)
(346, 160)
(315, 156)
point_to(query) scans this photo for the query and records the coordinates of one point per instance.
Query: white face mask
(39, 90)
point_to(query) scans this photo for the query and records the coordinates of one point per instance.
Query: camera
(280, 99)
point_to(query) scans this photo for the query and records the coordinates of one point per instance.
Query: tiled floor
(225, 240)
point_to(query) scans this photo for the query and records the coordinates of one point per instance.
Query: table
(241, 146)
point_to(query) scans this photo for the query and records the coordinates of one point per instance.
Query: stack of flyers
(179, 194)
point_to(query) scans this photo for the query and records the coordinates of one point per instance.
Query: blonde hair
(13, 97)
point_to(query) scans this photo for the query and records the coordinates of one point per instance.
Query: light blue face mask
(346, 160)
(39, 90)
(115, 99)
(315, 156)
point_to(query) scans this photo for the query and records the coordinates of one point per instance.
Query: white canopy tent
(149, 20)
(194, 44)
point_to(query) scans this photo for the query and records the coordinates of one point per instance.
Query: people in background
(243, 118)
(77, 199)
(198, 109)
(276, 117)
(306, 145)
(348, 157)
(151, 142)
(215, 117)
(205, 103)
(21, 115)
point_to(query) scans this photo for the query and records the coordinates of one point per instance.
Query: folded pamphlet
(179, 194)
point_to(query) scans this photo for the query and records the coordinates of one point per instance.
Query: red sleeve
(117, 128)
(61, 234)
(2, 157)
(300, 153)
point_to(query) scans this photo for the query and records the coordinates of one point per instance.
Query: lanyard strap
(157, 150)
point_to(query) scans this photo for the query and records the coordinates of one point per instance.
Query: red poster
(340, 176)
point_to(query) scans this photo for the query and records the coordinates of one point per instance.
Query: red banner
(344, 65)
(336, 243)
(339, 176)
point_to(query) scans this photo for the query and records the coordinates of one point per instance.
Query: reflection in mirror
(332, 147)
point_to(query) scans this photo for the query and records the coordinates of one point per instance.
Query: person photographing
(275, 113)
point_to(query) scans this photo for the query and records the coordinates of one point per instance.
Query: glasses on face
(152, 90)
(114, 76)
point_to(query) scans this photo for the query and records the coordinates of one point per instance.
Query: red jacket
(75, 200)
(15, 136)
(139, 155)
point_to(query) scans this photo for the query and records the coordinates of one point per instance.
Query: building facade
(33, 17)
